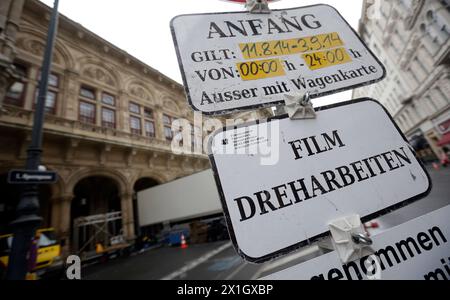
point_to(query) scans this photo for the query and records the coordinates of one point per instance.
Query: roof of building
(68, 23)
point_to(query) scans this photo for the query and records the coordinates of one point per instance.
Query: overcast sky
(141, 27)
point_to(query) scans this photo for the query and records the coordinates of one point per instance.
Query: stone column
(4, 10)
(131, 232)
(15, 12)
(56, 214)
(98, 107)
(32, 86)
(159, 124)
(440, 98)
(11, 27)
(64, 222)
(70, 91)
(127, 216)
(122, 121)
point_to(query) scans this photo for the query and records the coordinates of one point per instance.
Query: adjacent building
(412, 38)
(108, 127)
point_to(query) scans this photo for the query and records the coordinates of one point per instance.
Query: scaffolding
(104, 230)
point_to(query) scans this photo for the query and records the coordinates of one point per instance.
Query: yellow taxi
(48, 257)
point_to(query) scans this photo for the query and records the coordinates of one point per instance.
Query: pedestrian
(445, 161)
(32, 257)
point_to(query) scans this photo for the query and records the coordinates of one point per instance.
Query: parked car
(48, 261)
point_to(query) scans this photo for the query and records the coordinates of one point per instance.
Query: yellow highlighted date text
(292, 46)
(260, 69)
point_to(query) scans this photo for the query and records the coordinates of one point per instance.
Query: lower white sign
(416, 250)
(281, 182)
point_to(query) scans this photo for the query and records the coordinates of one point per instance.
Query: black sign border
(307, 242)
(270, 104)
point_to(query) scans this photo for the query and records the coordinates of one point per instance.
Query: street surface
(219, 261)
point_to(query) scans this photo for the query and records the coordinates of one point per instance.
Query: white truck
(191, 197)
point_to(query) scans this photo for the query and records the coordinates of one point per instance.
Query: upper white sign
(236, 61)
(281, 182)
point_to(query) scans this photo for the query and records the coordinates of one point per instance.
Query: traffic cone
(99, 248)
(184, 245)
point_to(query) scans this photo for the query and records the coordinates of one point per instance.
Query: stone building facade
(108, 121)
(412, 38)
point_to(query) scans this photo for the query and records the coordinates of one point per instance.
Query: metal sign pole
(28, 220)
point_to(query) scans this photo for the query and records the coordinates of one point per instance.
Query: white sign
(416, 250)
(282, 181)
(236, 61)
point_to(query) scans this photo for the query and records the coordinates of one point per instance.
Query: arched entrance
(94, 195)
(9, 198)
(140, 185)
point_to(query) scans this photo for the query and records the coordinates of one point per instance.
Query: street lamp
(27, 211)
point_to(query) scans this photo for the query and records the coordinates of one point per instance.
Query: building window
(53, 80)
(442, 100)
(52, 93)
(135, 122)
(148, 113)
(150, 129)
(108, 102)
(135, 108)
(168, 133)
(108, 118)
(87, 92)
(167, 121)
(413, 76)
(50, 101)
(87, 112)
(135, 125)
(420, 67)
(108, 99)
(90, 103)
(16, 92)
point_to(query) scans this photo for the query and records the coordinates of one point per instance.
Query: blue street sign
(31, 177)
